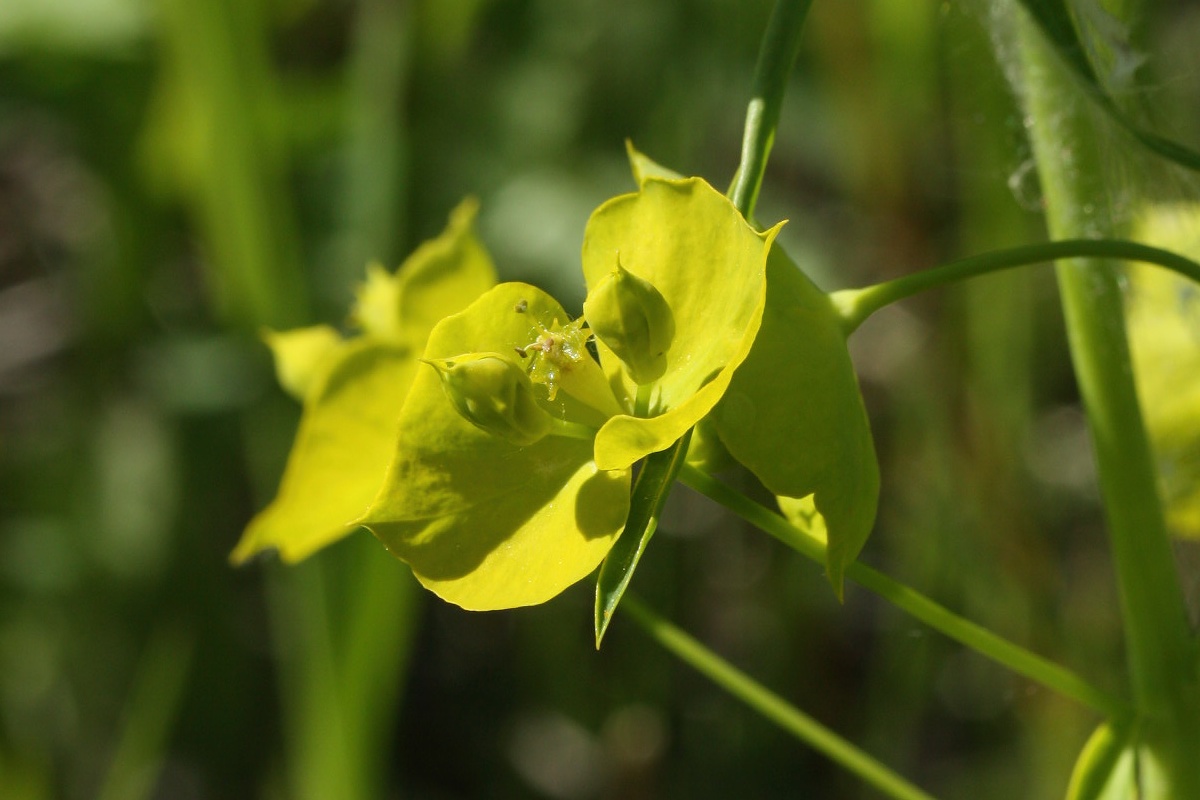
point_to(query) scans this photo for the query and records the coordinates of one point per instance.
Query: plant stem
(149, 716)
(1160, 649)
(219, 54)
(776, 55)
(769, 704)
(978, 638)
(855, 305)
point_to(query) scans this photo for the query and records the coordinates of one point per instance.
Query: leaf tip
(601, 628)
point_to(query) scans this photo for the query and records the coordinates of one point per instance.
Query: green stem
(572, 430)
(909, 600)
(641, 403)
(776, 56)
(149, 716)
(855, 305)
(770, 705)
(1160, 648)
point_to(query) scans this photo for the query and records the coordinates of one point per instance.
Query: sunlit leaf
(794, 416)
(485, 523)
(690, 243)
(1163, 318)
(341, 452)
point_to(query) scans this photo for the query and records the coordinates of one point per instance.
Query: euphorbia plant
(500, 463)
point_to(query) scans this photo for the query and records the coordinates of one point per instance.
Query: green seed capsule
(495, 395)
(633, 320)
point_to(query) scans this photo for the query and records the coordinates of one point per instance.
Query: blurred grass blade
(1054, 19)
(650, 492)
(1107, 769)
(151, 710)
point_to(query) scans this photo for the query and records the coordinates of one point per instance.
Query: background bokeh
(176, 175)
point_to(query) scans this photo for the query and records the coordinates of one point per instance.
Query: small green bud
(633, 320)
(495, 395)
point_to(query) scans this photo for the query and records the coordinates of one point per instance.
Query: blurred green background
(177, 174)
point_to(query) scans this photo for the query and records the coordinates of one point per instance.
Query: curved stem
(769, 704)
(776, 55)
(978, 638)
(855, 305)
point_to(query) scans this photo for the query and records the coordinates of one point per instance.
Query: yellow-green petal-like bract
(483, 522)
(340, 454)
(794, 416)
(302, 356)
(353, 390)
(688, 241)
(439, 278)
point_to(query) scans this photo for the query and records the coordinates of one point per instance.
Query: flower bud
(633, 320)
(495, 395)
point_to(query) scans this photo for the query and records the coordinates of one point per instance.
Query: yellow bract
(690, 244)
(486, 522)
(352, 391)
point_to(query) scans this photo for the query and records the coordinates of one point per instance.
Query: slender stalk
(356, 614)
(1159, 644)
(219, 54)
(856, 305)
(150, 714)
(941, 619)
(776, 55)
(769, 704)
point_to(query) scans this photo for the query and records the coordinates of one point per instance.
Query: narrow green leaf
(1107, 766)
(650, 492)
